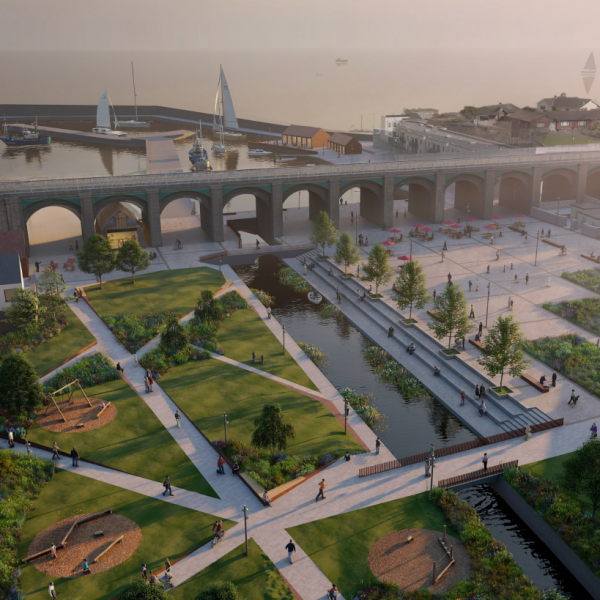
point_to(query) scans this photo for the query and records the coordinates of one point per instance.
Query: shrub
(315, 354)
(264, 298)
(32, 334)
(19, 387)
(158, 361)
(584, 312)
(589, 278)
(140, 590)
(232, 301)
(363, 405)
(329, 310)
(287, 276)
(91, 370)
(218, 590)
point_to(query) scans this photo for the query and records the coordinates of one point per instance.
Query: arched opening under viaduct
(365, 200)
(301, 204)
(247, 217)
(185, 216)
(122, 217)
(419, 194)
(592, 187)
(558, 185)
(467, 196)
(515, 192)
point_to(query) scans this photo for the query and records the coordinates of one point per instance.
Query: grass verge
(135, 441)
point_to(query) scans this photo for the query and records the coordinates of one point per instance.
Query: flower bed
(272, 471)
(158, 362)
(265, 299)
(363, 405)
(287, 276)
(570, 355)
(566, 514)
(584, 312)
(21, 478)
(134, 331)
(588, 278)
(329, 310)
(315, 354)
(31, 335)
(91, 370)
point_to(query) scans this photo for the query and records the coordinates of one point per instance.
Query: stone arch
(252, 191)
(30, 210)
(202, 198)
(317, 198)
(141, 204)
(372, 205)
(515, 191)
(421, 196)
(469, 193)
(264, 221)
(559, 184)
(592, 186)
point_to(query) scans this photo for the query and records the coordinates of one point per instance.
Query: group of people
(152, 578)
(363, 241)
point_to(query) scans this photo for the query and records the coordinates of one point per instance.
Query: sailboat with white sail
(103, 118)
(590, 66)
(219, 146)
(135, 122)
(225, 124)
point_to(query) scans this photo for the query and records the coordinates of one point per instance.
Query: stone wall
(590, 231)
(549, 217)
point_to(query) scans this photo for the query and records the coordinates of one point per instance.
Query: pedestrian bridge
(523, 178)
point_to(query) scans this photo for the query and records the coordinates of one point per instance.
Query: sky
(194, 25)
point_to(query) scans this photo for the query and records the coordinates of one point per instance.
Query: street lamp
(246, 527)
(219, 263)
(225, 423)
(536, 247)
(346, 411)
(468, 208)
(557, 208)
(283, 327)
(410, 249)
(432, 460)
(488, 304)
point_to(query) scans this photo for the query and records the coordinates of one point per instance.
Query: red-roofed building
(344, 144)
(302, 136)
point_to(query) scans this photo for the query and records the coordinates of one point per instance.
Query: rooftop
(10, 269)
(341, 138)
(562, 101)
(302, 131)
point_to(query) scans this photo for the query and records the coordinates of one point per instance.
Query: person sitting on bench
(391, 332)
(331, 272)
(235, 468)
(477, 338)
(436, 371)
(411, 348)
(543, 381)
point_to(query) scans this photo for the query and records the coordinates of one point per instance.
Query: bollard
(444, 534)
(451, 553)
(433, 576)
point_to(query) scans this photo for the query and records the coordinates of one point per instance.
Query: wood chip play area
(79, 415)
(410, 563)
(104, 539)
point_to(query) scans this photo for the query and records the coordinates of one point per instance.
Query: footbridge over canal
(524, 178)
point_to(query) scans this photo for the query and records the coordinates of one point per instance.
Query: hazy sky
(192, 25)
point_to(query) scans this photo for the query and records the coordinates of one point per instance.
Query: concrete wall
(547, 535)
(590, 231)
(549, 217)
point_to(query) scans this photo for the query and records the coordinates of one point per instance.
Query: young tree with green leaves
(50, 288)
(581, 473)
(410, 288)
(346, 251)
(144, 590)
(502, 349)
(97, 257)
(452, 314)
(377, 268)
(174, 336)
(132, 258)
(19, 386)
(324, 233)
(218, 590)
(272, 429)
(469, 112)
(208, 310)
(25, 308)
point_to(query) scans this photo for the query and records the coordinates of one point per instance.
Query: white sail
(102, 113)
(590, 65)
(217, 124)
(229, 118)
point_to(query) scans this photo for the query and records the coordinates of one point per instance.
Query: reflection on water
(539, 564)
(411, 424)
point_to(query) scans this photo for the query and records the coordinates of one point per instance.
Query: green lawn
(176, 291)
(255, 576)
(168, 531)
(557, 140)
(244, 332)
(340, 545)
(51, 353)
(206, 389)
(135, 441)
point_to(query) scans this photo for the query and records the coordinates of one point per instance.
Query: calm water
(411, 425)
(539, 564)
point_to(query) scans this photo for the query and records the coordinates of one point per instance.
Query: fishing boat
(198, 155)
(315, 297)
(258, 152)
(103, 118)
(590, 66)
(29, 138)
(341, 61)
(225, 124)
(285, 159)
(135, 122)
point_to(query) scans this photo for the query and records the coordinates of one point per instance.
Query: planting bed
(584, 312)
(76, 411)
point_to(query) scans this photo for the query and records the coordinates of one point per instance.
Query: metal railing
(518, 158)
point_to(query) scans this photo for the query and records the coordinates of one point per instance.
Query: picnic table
(519, 223)
(488, 235)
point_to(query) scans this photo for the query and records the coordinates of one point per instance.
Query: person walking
(443, 256)
(477, 285)
(150, 382)
(37, 264)
(488, 269)
(147, 384)
(427, 467)
(527, 432)
(53, 551)
(512, 304)
(377, 445)
(221, 466)
(445, 246)
(75, 456)
(463, 395)
(432, 454)
(71, 245)
(262, 359)
(51, 590)
(594, 431)
(178, 419)
(526, 278)
(11, 438)
(321, 493)
(485, 461)
(167, 486)
(554, 378)
(572, 400)
(434, 295)
(333, 592)
(472, 313)
(253, 358)
(55, 452)
(144, 575)
(516, 278)
(291, 548)
(470, 284)
(480, 328)
(482, 390)
(86, 567)
(358, 270)
(477, 393)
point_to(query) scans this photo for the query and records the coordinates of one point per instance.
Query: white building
(11, 278)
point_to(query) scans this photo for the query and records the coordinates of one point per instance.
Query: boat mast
(223, 119)
(134, 94)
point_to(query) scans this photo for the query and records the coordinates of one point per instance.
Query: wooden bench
(592, 258)
(117, 541)
(433, 315)
(475, 343)
(535, 383)
(515, 228)
(102, 410)
(552, 243)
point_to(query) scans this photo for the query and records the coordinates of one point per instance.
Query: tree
(469, 112)
(377, 269)
(324, 233)
(132, 258)
(452, 314)
(581, 473)
(97, 257)
(410, 288)
(142, 590)
(19, 387)
(346, 251)
(218, 590)
(51, 288)
(503, 349)
(272, 429)
(24, 308)
(209, 310)
(174, 336)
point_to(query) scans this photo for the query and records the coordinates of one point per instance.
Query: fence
(473, 475)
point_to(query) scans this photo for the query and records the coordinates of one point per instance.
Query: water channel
(411, 424)
(539, 564)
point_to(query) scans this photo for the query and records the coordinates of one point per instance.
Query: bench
(102, 410)
(515, 228)
(475, 343)
(535, 383)
(592, 258)
(552, 243)
(433, 315)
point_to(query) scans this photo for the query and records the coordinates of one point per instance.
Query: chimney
(563, 95)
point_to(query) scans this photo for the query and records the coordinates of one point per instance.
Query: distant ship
(590, 66)
(225, 123)
(198, 155)
(135, 122)
(103, 118)
(341, 61)
(30, 138)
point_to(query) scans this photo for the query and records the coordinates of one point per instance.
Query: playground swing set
(72, 389)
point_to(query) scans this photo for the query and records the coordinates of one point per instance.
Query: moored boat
(225, 124)
(258, 152)
(315, 297)
(103, 118)
(198, 155)
(29, 138)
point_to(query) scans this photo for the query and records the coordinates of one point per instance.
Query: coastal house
(11, 277)
(302, 136)
(551, 121)
(344, 144)
(567, 103)
(494, 112)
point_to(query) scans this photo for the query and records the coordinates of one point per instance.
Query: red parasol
(448, 223)
(394, 230)
(405, 258)
(456, 226)
(426, 229)
(489, 227)
(387, 243)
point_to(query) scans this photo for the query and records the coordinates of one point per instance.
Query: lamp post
(225, 423)
(356, 231)
(346, 410)
(432, 460)
(410, 249)
(536, 247)
(557, 208)
(468, 209)
(283, 327)
(219, 263)
(246, 527)
(488, 304)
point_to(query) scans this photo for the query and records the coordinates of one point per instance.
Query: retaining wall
(549, 217)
